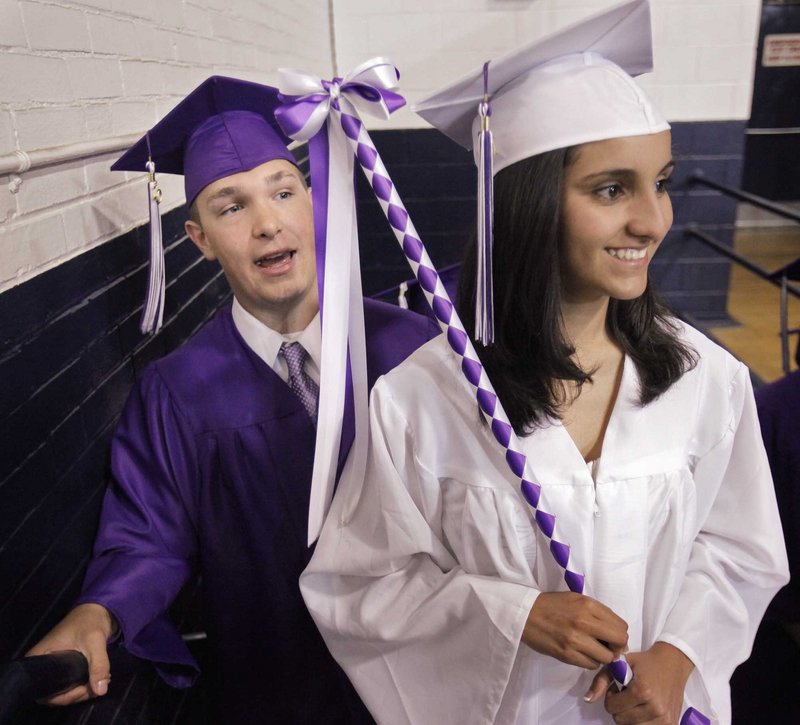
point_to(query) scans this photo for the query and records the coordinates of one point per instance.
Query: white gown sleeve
(422, 640)
(737, 560)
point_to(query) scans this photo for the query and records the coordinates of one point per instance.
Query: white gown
(423, 579)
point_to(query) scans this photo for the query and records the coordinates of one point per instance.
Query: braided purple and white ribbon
(370, 161)
(331, 99)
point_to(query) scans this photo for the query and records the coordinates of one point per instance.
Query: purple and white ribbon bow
(315, 110)
(370, 88)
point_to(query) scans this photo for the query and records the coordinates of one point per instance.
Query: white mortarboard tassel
(484, 300)
(153, 311)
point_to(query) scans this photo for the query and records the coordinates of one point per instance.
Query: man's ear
(198, 236)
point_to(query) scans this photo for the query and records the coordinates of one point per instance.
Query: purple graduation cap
(223, 127)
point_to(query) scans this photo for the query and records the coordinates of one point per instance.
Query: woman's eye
(662, 185)
(610, 192)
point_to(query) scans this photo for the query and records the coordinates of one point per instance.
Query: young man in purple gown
(212, 457)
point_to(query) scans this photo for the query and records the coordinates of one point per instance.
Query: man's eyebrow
(274, 178)
(278, 176)
(225, 191)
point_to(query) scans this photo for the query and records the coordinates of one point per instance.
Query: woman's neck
(587, 409)
(585, 326)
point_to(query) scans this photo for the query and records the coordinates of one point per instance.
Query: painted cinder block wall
(73, 248)
(82, 71)
(89, 70)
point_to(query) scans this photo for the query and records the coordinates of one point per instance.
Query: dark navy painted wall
(70, 349)
(773, 141)
(692, 277)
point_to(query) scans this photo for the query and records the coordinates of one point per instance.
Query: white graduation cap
(572, 87)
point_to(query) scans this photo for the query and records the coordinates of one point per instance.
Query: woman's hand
(656, 694)
(575, 629)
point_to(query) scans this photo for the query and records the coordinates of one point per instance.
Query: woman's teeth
(628, 254)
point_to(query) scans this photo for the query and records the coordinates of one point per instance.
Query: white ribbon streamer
(342, 303)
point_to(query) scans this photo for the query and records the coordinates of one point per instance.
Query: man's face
(260, 227)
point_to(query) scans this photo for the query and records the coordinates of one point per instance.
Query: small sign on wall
(781, 49)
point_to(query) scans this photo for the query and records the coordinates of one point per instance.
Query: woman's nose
(651, 216)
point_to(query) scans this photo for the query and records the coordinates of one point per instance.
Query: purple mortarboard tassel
(693, 717)
(621, 672)
(153, 311)
(484, 306)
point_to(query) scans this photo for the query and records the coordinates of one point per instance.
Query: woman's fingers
(575, 629)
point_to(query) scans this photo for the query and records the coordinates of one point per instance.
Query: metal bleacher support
(782, 278)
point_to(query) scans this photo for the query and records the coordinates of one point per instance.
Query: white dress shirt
(266, 343)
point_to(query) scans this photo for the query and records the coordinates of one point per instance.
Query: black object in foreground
(25, 680)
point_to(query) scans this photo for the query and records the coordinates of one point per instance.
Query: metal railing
(781, 278)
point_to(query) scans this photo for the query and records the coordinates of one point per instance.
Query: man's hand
(656, 694)
(86, 629)
(575, 629)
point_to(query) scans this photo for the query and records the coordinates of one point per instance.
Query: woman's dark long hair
(531, 358)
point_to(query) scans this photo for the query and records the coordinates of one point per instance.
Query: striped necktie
(300, 382)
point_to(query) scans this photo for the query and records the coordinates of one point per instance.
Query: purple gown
(779, 415)
(212, 462)
(764, 688)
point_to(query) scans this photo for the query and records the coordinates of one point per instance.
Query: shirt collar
(266, 342)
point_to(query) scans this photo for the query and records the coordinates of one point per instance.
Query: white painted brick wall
(82, 70)
(26, 78)
(98, 120)
(8, 141)
(31, 244)
(8, 204)
(704, 48)
(12, 32)
(47, 187)
(50, 27)
(116, 36)
(73, 70)
(39, 128)
(92, 77)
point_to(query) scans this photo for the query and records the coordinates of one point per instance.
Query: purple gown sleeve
(146, 543)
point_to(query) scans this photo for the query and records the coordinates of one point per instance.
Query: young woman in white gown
(430, 583)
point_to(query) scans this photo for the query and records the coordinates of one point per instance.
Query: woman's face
(615, 212)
